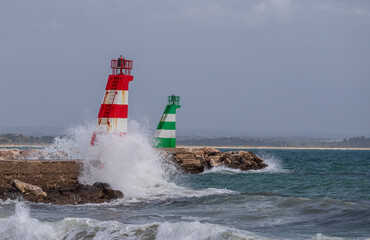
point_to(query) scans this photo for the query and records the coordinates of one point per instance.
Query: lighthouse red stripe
(113, 111)
(118, 82)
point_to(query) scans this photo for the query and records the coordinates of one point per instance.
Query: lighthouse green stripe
(171, 109)
(167, 125)
(166, 143)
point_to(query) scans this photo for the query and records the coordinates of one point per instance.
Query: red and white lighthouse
(112, 118)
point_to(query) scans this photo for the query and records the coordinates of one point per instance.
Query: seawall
(64, 173)
(44, 173)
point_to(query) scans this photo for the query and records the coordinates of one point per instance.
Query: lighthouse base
(97, 134)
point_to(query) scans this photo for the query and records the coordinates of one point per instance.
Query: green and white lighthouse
(165, 136)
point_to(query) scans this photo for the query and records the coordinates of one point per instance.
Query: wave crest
(129, 164)
(22, 226)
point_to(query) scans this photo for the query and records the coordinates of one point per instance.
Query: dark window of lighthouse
(120, 63)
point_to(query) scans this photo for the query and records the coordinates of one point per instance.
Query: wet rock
(107, 192)
(26, 188)
(227, 162)
(79, 194)
(196, 160)
(215, 161)
(102, 185)
(82, 194)
(188, 162)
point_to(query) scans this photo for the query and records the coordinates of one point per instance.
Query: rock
(18, 154)
(102, 185)
(262, 165)
(26, 188)
(79, 194)
(188, 162)
(227, 162)
(196, 160)
(50, 182)
(107, 192)
(38, 154)
(211, 151)
(9, 154)
(215, 161)
(112, 194)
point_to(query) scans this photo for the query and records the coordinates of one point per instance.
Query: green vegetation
(355, 142)
(21, 139)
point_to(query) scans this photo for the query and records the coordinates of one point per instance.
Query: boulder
(188, 162)
(102, 185)
(82, 194)
(107, 192)
(210, 151)
(26, 188)
(215, 161)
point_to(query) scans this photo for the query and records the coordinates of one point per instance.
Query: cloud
(240, 14)
(343, 9)
(280, 8)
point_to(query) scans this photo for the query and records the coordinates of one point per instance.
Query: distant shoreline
(202, 146)
(282, 148)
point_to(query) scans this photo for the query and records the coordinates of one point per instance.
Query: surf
(128, 163)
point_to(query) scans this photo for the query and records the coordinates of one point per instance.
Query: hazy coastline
(265, 147)
(202, 146)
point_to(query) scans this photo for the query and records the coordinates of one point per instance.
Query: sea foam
(21, 225)
(129, 163)
(274, 165)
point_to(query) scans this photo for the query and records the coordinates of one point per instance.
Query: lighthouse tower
(165, 135)
(112, 117)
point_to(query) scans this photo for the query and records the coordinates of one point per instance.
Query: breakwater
(45, 173)
(59, 179)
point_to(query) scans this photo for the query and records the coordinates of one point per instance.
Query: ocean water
(302, 194)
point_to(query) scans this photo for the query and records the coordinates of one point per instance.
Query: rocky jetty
(50, 181)
(56, 181)
(196, 160)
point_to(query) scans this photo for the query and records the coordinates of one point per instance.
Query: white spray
(129, 163)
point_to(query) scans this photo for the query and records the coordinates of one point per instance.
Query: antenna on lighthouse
(112, 117)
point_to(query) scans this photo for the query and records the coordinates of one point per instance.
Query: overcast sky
(268, 65)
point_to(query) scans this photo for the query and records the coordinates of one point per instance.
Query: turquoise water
(336, 174)
(303, 194)
(325, 191)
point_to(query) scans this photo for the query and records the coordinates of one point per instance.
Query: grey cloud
(238, 65)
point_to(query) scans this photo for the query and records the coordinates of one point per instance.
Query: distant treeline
(355, 142)
(21, 139)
